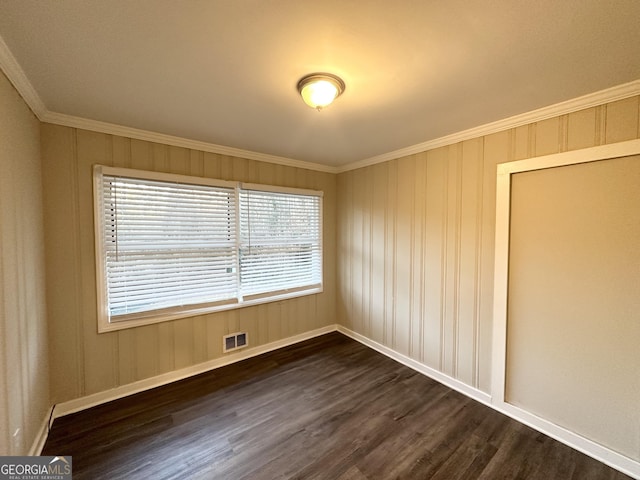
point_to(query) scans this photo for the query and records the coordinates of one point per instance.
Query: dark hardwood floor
(327, 408)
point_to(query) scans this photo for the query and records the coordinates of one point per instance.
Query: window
(171, 246)
(279, 242)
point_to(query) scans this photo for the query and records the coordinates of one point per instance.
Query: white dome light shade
(320, 89)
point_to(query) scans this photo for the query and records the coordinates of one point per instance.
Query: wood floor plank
(327, 408)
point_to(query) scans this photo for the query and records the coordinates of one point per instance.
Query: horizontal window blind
(280, 242)
(167, 244)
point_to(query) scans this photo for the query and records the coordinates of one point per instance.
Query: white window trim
(174, 313)
(505, 171)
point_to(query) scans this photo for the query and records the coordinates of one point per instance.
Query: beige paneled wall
(416, 239)
(24, 367)
(85, 362)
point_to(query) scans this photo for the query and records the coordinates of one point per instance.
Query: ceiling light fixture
(320, 89)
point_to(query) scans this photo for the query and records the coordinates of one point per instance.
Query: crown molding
(612, 94)
(11, 68)
(149, 136)
(18, 78)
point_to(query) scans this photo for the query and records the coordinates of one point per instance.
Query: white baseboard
(41, 436)
(440, 377)
(582, 444)
(82, 403)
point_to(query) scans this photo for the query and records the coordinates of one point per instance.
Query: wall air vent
(234, 341)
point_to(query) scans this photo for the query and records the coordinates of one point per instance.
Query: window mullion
(238, 243)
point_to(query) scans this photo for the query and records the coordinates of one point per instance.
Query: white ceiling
(225, 71)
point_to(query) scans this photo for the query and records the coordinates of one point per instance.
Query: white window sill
(149, 318)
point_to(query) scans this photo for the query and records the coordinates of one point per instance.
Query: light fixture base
(320, 89)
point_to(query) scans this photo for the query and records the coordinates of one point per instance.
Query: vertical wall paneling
(292, 316)
(275, 327)
(414, 260)
(403, 266)
(232, 323)
(348, 247)
(104, 361)
(435, 228)
(417, 235)
(24, 362)
(390, 254)
(5, 427)
(66, 348)
(478, 265)
(366, 253)
(563, 133)
(581, 129)
(341, 242)
(356, 225)
(547, 139)
(418, 257)
(367, 231)
(72, 160)
(378, 207)
(101, 351)
(601, 125)
(451, 259)
(467, 298)
(325, 309)
(215, 331)
(183, 342)
(622, 120)
(520, 147)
